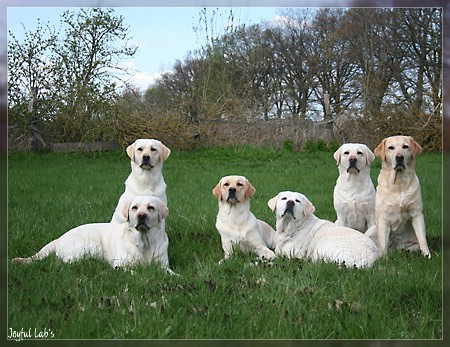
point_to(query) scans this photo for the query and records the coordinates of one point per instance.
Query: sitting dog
(236, 224)
(354, 193)
(147, 157)
(140, 240)
(300, 234)
(398, 209)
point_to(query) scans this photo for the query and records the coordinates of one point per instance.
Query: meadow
(400, 297)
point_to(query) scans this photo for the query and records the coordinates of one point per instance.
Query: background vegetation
(354, 74)
(399, 298)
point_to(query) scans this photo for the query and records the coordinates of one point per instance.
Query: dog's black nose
(141, 216)
(146, 157)
(290, 203)
(399, 158)
(352, 160)
(232, 190)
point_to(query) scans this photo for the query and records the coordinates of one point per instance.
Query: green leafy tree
(84, 66)
(29, 86)
(68, 85)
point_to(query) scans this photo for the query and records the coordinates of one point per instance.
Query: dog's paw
(428, 255)
(172, 273)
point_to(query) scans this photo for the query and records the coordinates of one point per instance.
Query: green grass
(399, 298)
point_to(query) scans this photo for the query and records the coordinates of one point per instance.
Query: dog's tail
(43, 253)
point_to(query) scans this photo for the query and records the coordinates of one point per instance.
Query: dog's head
(353, 157)
(398, 152)
(234, 189)
(147, 153)
(144, 212)
(291, 205)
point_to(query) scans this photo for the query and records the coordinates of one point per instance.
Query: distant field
(399, 298)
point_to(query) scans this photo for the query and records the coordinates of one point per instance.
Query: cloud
(130, 75)
(143, 80)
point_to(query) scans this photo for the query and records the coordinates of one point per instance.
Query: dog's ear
(337, 155)
(380, 150)
(309, 208)
(272, 203)
(125, 211)
(165, 152)
(217, 191)
(416, 149)
(163, 211)
(250, 190)
(130, 150)
(370, 156)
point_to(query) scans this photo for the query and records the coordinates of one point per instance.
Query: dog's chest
(292, 240)
(235, 226)
(398, 209)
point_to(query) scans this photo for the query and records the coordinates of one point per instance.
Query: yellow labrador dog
(300, 234)
(140, 240)
(236, 224)
(354, 193)
(147, 157)
(398, 209)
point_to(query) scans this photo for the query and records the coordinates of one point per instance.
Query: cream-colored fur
(235, 222)
(399, 219)
(147, 157)
(139, 240)
(300, 234)
(354, 193)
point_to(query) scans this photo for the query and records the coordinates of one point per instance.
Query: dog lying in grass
(300, 234)
(140, 240)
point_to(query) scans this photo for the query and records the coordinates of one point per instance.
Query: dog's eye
(134, 208)
(284, 198)
(391, 147)
(346, 152)
(140, 149)
(239, 184)
(153, 149)
(150, 207)
(405, 146)
(360, 153)
(297, 201)
(226, 184)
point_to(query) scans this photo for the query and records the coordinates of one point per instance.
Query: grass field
(399, 298)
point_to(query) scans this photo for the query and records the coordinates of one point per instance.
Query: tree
(84, 67)
(334, 71)
(70, 81)
(419, 78)
(294, 54)
(29, 88)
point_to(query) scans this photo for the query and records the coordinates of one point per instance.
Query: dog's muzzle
(232, 199)
(289, 209)
(352, 165)
(146, 163)
(141, 224)
(399, 162)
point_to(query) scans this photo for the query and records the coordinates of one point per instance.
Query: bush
(288, 145)
(319, 145)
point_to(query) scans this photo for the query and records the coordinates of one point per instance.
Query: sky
(162, 29)
(162, 34)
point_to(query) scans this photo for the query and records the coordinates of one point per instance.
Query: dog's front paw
(427, 254)
(172, 273)
(267, 254)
